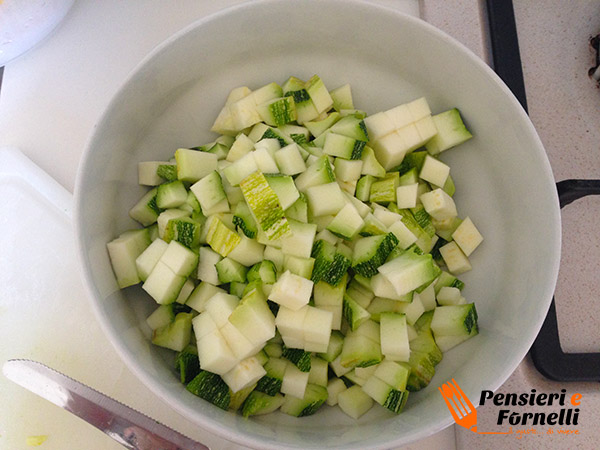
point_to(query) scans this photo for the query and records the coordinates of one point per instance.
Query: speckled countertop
(563, 105)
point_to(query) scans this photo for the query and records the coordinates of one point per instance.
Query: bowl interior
(503, 179)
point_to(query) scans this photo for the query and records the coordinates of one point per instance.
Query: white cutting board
(45, 316)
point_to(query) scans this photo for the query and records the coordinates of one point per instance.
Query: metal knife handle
(130, 428)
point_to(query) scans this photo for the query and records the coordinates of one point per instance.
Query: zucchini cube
(240, 169)
(145, 210)
(434, 171)
(343, 146)
(175, 335)
(163, 284)
(248, 252)
(394, 336)
(124, 252)
(300, 241)
(278, 111)
(237, 342)
(400, 116)
(319, 94)
(265, 161)
(290, 324)
(438, 204)
(455, 320)
(467, 236)
(354, 401)
(244, 374)
(203, 324)
(240, 147)
(253, 318)
(294, 381)
(393, 373)
(317, 329)
(171, 195)
(220, 306)
(214, 353)
(192, 165)
(379, 125)
(451, 131)
(325, 199)
(180, 259)
(291, 291)
(406, 196)
(289, 160)
(456, 261)
(209, 192)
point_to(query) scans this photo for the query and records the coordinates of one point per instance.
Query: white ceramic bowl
(503, 178)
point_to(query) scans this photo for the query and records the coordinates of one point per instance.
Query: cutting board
(45, 316)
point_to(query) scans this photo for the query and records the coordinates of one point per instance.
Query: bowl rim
(159, 390)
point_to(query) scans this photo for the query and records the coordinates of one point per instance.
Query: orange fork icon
(461, 408)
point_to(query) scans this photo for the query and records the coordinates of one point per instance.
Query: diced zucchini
(438, 204)
(343, 146)
(278, 111)
(210, 193)
(145, 211)
(265, 206)
(467, 237)
(456, 261)
(341, 263)
(314, 397)
(244, 221)
(360, 351)
(175, 335)
(354, 314)
(334, 387)
(409, 271)
(271, 382)
(384, 190)
(456, 320)
(193, 165)
(385, 395)
(290, 161)
(451, 131)
(187, 363)
(229, 270)
(394, 336)
(171, 195)
(342, 97)
(346, 223)
(220, 238)
(123, 253)
(184, 230)
(259, 403)
(317, 173)
(167, 171)
(351, 126)
(291, 291)
(371, 252)
(211, 388)
(354, 402)
(253, 318)
(298, 357)
(246, 373)
(319, 94)
(294, 381)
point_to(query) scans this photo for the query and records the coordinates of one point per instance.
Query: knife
(130, 428)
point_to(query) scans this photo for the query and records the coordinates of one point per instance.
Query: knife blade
(130, 428)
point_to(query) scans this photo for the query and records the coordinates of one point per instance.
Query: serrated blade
(130, 428)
